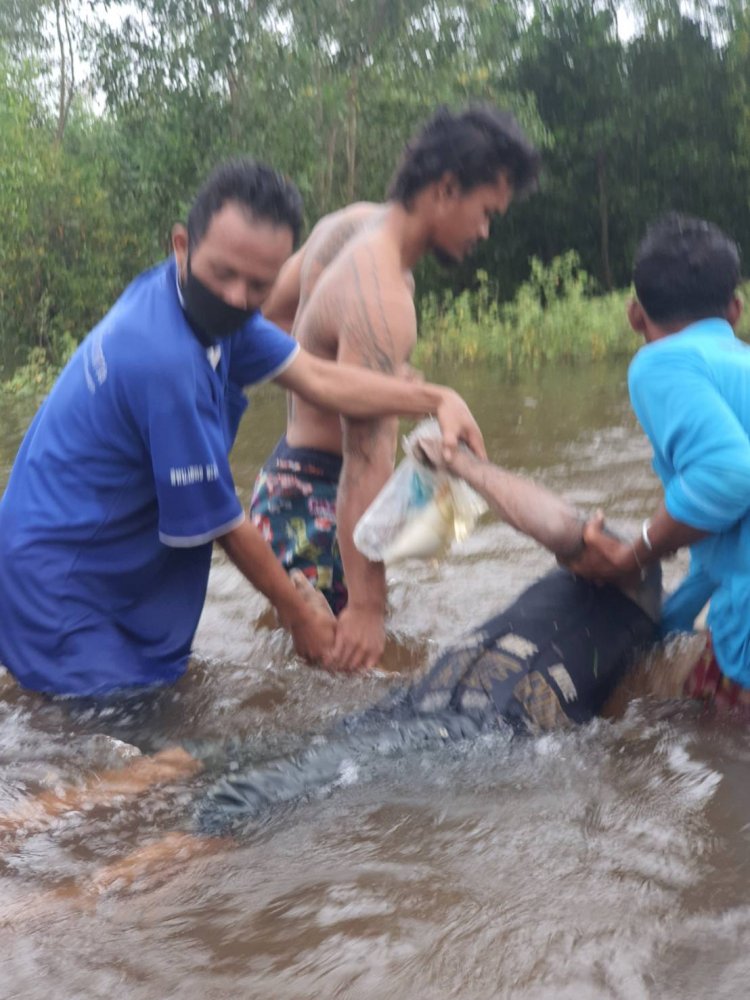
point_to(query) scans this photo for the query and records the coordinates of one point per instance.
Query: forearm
(360, 396)
(361, 393)
(661, 535)
(358, 392)
(523, 504)
(606, 557)
(365, 580)
(103, 789)
(368, 462)
(310, 622)
(255, 559)
(666, 535)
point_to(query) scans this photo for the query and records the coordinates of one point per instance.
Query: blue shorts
(294, 508)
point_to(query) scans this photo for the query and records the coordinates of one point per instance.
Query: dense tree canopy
(110, 116)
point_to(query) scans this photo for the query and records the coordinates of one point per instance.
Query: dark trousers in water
(549, 661)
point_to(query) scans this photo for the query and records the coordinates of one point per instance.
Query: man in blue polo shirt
(690, 389)
(123, 482)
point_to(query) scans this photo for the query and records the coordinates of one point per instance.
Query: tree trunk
(601, 181)
(230, 74)
(328, 178)
(66, 80)
(351, 137)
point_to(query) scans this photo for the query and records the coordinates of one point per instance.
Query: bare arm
(352, 390)
(281, 305)
(103, 789)
(311, 630)
(523, 504)
(607, 559)
(377, 332)
(369, 450)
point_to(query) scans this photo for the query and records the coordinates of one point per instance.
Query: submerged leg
(547, 662)
(149, 865)
(39, 812)
(247, 796)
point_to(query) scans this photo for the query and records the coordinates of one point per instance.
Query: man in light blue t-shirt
(690, 389)
(122, 482)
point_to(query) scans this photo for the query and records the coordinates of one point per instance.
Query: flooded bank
(606, 862)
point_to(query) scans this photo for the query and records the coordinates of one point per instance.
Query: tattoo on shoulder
(366, 325)
(329, 245)
(322, 253)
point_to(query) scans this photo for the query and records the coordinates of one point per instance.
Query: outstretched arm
(523, 504)
(583, 547)
(608, 559)
(358, 393)
(106, 788)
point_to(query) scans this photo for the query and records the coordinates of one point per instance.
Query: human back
(351, 279)
(328, 237)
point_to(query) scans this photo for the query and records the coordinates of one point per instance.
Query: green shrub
(554, 317)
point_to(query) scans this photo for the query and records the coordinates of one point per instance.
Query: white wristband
(644, 534)
(641, 568)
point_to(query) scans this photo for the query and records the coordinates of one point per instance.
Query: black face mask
(210, 316)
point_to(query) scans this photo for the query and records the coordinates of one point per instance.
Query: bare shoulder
(330, 235)
(361, 308)
(375, 303)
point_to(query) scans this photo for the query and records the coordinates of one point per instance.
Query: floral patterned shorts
(294, 508)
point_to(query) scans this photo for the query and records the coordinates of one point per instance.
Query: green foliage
(554, 317)
(329, 91)
(58, 233)
(35, 377)
(42, 363)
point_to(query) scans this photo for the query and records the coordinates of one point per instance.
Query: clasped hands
(604, 558)
(353, 642)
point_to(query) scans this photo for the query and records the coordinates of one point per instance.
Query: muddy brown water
(607, 862)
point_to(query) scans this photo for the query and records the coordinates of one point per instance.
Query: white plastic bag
(420, 511)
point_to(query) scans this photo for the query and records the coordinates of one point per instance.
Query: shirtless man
(300, 274)
(351, 292)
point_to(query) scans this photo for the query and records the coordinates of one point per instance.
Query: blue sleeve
(259, 351)
(684, 605)
(701, 450)
(194, 487)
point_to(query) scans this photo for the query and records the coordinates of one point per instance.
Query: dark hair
(685, 269)
(474, 145)
(262, 192)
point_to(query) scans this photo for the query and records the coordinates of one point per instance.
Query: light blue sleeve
(683, 605)
(701, 450)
